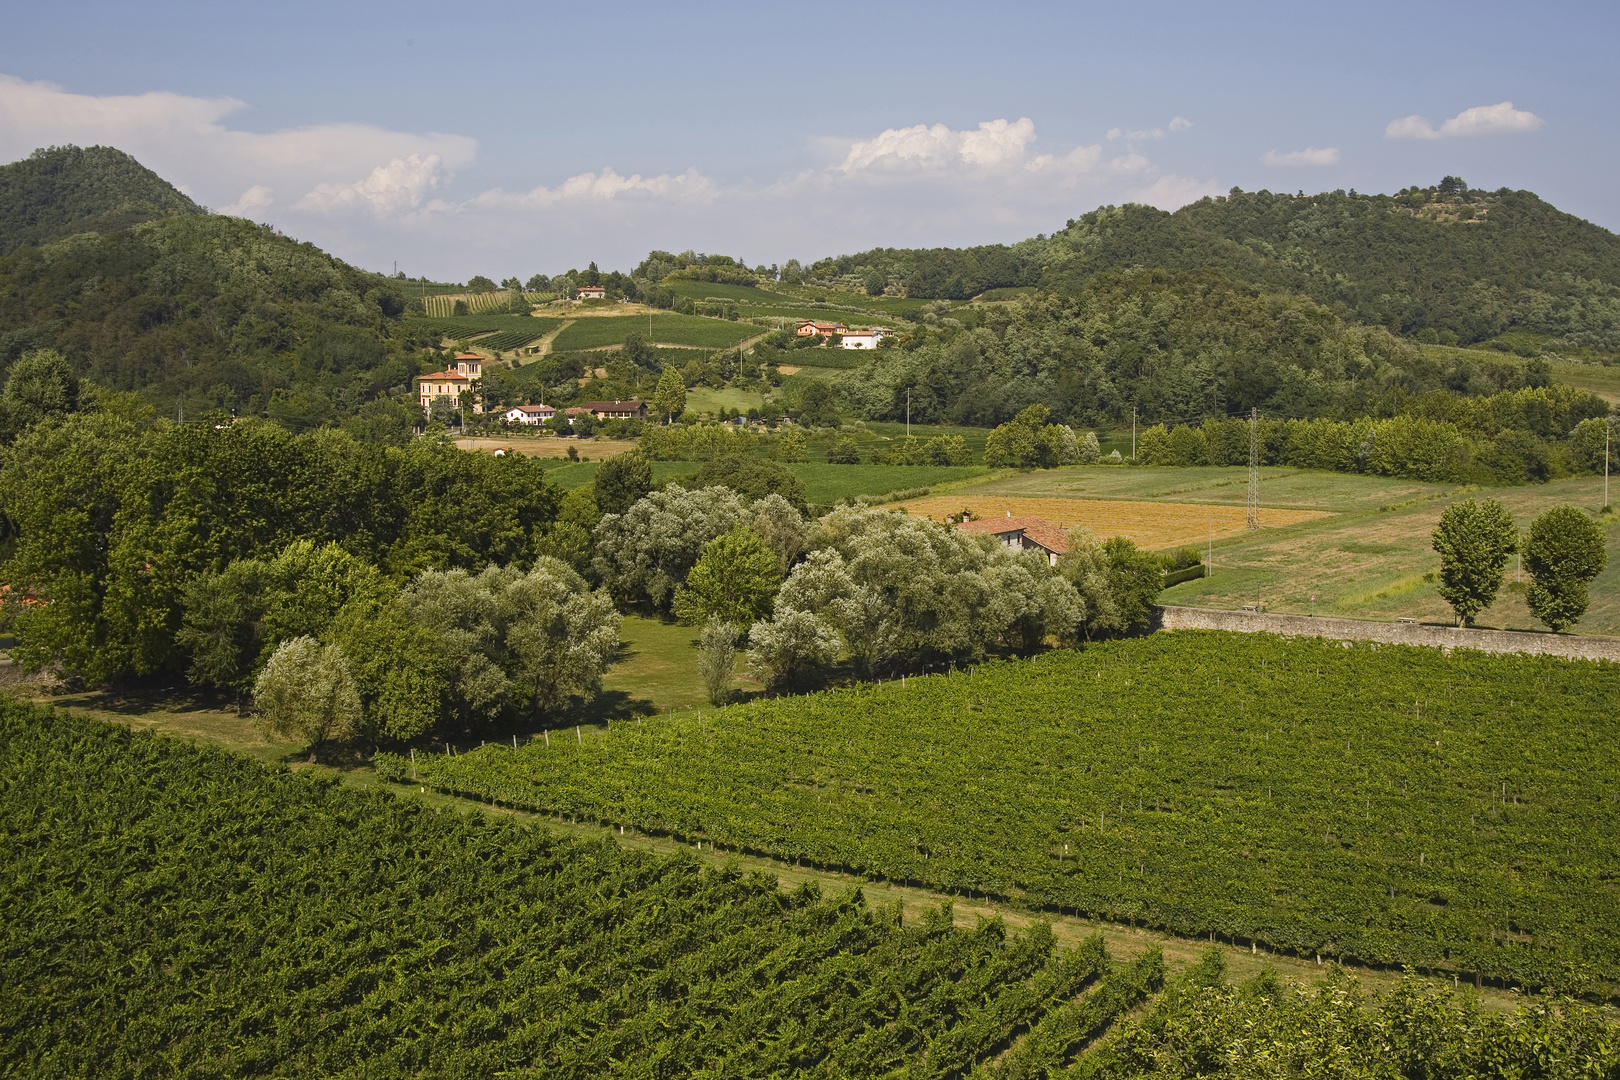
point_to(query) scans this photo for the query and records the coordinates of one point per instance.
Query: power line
(1254, 468)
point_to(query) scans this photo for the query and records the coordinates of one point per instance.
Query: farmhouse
(865, 339)
(529, 414)
(825, 329)
(1022, 534)
(452, 381)
(634, 409)
(593, 292)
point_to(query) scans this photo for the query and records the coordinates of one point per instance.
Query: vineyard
(1392, 806)
(444, 306)
(692, 330)
(175, 911)
(498, 332)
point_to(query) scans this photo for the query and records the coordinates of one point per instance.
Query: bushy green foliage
(752, 477)
(61, 190)
(1474, 540)
(115, 518)
(215, 310)
(1311, 797)
(1564, 552)
(621, 481)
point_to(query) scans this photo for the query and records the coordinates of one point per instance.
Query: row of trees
(1563, 550)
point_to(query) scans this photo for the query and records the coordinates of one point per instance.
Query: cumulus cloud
(1499, 119)
(608, 185)
(187, 141)
(1180, 123)
(1327, 155)
(996, 144)
(372, 195)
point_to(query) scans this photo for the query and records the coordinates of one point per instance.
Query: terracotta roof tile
(1048, 536)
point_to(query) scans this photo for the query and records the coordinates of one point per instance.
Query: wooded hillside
(61, 190)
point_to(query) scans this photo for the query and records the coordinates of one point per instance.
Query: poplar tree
(1474, 540)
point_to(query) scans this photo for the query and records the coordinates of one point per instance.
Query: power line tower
(1254, 468)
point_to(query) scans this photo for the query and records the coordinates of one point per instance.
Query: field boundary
(1172, 617)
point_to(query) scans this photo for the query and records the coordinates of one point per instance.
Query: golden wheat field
(1153, 525)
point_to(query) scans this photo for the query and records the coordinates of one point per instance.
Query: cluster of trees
(1028, 441)
(1175, 346)
(1563, 550)
(1534, 434)
(940, 273)
(939, 450)
(111, 518)
(872, 587)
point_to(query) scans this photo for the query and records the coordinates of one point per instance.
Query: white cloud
(1499, 119)
(401, 184)
(1180, 123)
(186, 141)
(1327, 155)
(255, 198)
(372, 195)
(997, 144)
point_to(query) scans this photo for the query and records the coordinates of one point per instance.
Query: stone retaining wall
(1445, 637)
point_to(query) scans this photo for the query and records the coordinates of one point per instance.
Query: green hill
(61, 190)
(1446, 263)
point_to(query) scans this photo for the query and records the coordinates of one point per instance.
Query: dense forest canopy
(61, 190)
(1449, 263)
(1175, 345)
(216, 310)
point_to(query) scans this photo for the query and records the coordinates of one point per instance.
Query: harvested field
(1153, 525)
(553, 447)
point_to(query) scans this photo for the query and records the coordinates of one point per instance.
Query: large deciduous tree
(307, 690)
(622, 481)
(669, 398)
(643, 554)
(734, 580)
(1564, 553)
(1474, 540)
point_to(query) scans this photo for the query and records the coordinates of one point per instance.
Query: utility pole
(908, 412)
(1254, 468)
(1608, 429)
(1133, 434)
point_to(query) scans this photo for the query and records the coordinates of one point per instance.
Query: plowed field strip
(1153, 525)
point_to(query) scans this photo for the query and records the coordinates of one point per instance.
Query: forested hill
(1446, 263)
(62, 190)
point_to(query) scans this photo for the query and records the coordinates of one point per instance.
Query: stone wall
(1444, 637)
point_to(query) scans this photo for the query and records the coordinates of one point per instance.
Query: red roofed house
(634, 409)
(825, 329)
(452, 381)
(592, 292)
(529, 414)
(1022, 534)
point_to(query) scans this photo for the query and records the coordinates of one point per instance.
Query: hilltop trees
(1564, 553)
(1474, 540)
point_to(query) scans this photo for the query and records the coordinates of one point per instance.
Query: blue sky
(510, 139)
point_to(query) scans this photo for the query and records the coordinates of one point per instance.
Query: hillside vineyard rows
(174, 911)
(1392, 806)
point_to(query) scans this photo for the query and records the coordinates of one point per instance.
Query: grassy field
(471, 325)
(1366, 559)
(547, 446)
(665, 327)
(702, 399)
(1596, 378)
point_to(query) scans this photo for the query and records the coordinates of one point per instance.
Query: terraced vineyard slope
(1394, 806)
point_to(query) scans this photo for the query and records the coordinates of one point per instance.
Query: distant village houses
(634, 409)
(452, 381)
(592, 292)
(529, 414)
(1022, 534)
(865, 339)
(825, 329)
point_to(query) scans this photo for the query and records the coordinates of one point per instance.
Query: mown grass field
(597, 331)
(1367, 559)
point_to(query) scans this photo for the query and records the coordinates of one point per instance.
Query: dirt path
(545, 343)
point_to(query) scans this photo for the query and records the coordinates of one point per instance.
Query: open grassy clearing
(826, 484)
(1366, 560)
(663, 328)
(707, 400)
(1604, 381)
(547, 446)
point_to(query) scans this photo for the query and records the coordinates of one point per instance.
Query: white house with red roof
(592, 292)
(529, 414)
(1022, 534)
(825, 329)
(452, 381)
